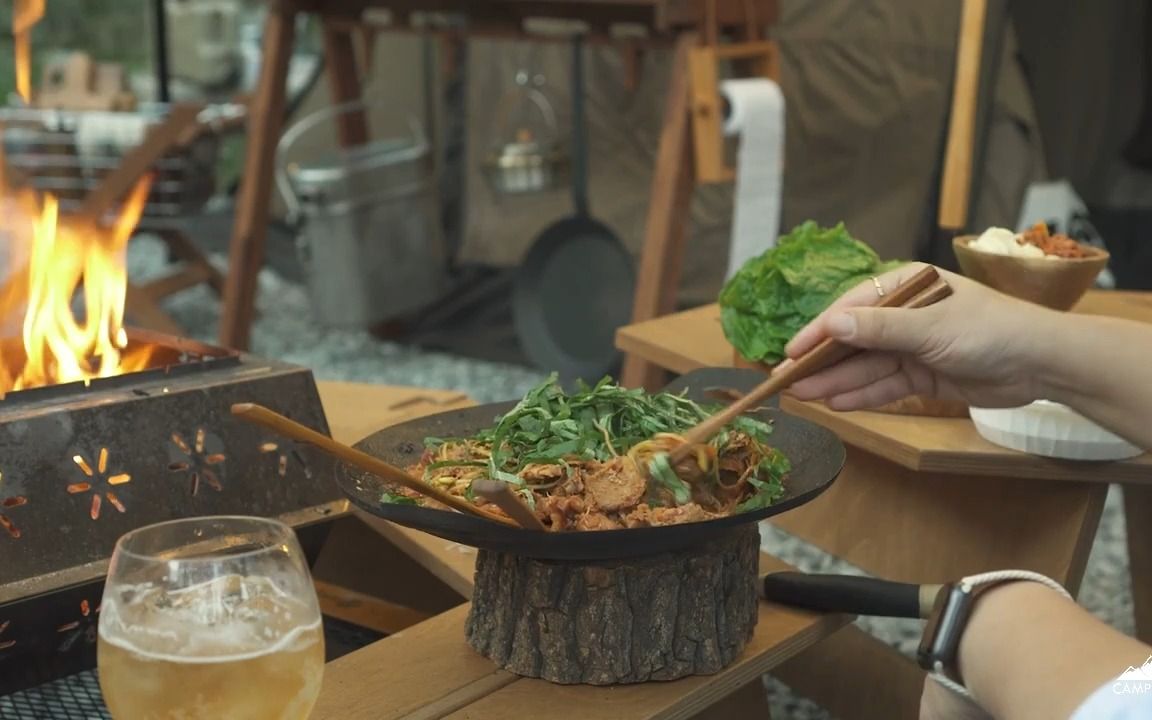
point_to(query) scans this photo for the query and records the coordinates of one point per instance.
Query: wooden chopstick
(924, 288)
(499, 494)
(931, 296)
(290, 428)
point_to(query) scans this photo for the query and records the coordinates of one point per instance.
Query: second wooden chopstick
(290, 428)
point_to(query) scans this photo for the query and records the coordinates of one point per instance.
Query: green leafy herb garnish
(768, 481)
(398, 499)
(599, 423)
(662, 472)
(593, 423)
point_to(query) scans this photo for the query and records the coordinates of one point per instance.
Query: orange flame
(65, 254)
(59, 347)
(25, 14)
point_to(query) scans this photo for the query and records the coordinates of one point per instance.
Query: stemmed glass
(211, 617)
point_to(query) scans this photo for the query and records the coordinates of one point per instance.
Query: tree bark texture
(627, 621)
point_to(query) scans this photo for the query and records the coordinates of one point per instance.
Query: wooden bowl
(1058, 284)
(915, 405)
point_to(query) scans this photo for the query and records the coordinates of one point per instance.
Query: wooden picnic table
(427, 670)
(927, 500)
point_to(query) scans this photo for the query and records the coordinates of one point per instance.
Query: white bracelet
(972, 581)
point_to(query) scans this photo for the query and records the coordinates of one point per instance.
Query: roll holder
(709, 109)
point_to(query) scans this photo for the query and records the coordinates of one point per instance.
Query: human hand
(976, 346)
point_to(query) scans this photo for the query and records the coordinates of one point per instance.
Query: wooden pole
(669, 212)
(246, 254)
(956, 181)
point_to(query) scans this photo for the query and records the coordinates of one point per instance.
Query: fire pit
(103, 430)
(83, 463)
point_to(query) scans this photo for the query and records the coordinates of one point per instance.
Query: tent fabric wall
(867, 84)
(1086, 66)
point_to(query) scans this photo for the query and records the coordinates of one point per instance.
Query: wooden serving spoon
(921, 290)
(276, 422)
(499, 494)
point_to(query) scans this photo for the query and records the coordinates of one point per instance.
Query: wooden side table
(927, 500)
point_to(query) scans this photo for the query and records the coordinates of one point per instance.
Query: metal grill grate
(69, 153)
(76, 697)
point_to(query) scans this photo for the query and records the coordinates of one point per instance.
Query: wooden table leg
(1138, 518)
(246, 253)
(669, 211)
(344, 83)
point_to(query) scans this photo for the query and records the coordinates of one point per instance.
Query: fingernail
(842, 325)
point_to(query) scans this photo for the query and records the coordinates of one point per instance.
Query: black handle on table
(849, 594)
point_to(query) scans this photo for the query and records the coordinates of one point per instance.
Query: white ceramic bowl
(1051, 430)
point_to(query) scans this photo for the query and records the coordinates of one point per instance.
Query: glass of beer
(210, 618)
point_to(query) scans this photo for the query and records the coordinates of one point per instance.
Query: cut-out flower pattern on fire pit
(96, 474)
(5, 644)
(196, 462)
(85, 627)
(283, 453)
(7, 504)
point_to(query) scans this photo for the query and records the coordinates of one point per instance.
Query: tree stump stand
(661, 617)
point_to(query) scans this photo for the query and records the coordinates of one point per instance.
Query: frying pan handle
(579, 130)
(849, 594)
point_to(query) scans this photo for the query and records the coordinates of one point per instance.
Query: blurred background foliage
(123, 32)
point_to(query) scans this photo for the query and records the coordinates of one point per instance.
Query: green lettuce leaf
(776, 294)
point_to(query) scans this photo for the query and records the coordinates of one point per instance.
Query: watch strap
(942, 666)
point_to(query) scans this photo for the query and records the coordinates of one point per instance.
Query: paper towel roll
(756, 114)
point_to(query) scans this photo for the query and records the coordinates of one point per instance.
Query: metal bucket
(368, 223)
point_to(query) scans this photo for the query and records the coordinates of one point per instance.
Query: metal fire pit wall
(82, 465)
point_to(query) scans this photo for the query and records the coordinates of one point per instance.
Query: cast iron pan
(816, 454)
(575, 285)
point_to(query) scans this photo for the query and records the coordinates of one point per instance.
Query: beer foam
(229, 619)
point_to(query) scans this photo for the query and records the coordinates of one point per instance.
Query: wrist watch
(949, 616)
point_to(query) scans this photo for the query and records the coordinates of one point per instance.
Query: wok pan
(817, 456)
